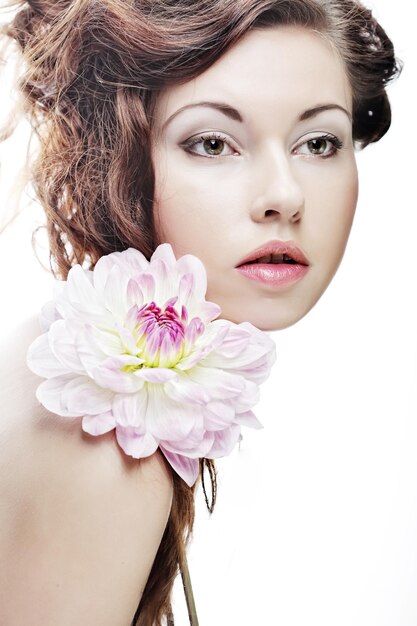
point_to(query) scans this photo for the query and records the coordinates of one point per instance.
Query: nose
(279, 195)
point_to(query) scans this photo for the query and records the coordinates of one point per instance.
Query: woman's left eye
(209, 145)
(323, 146)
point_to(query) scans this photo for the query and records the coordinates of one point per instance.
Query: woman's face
(258, 150)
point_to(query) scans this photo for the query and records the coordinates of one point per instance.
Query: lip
(275, 274)
(277, 247)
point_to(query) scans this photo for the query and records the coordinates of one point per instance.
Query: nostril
(270, 212)
(296, 217)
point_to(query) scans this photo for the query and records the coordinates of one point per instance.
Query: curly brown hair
(93, 74)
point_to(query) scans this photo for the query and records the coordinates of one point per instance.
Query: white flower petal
(229, 354)
(107, 340)
(131, 262)
(134, 444)
(98, 363)
(63, 347)
(42, 361)
(218, 415)
(183, 389)
(156, 374)
(218, 383)
(98, 424)
(248, 418)
(110, 375)
(81, 396)
(188, 362)
(130, 409)
(115, 293)
(195, 445)
(168, 419)
(80, 291)
(49, 393)
(49, 314)
(165, 252)
(190, 264)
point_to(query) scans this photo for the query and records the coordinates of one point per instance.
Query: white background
(316, 521)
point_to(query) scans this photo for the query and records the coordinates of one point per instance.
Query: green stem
(189, 596)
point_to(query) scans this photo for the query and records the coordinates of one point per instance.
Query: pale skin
(80, 522)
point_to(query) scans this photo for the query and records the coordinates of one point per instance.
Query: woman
(227, 130)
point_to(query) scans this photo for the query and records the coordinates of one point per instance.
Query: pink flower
(134, 346)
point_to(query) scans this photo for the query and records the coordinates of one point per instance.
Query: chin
(264, 320)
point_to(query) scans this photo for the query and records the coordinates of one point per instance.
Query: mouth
(273, 259)
(276, 265)
(276, 253)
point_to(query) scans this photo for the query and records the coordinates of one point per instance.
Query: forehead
(288, 67)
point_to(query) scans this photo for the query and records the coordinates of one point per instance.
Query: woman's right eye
(209, 145)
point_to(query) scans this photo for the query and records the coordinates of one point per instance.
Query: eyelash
(194, 141)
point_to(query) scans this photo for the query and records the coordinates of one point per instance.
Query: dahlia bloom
(134, 346)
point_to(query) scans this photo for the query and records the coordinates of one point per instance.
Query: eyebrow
(224, 108)
(306, 115)
(234, 114)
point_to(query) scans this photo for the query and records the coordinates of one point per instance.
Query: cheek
(331, 209)
(191, 210)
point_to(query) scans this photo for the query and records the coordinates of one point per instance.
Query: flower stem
(189, 596)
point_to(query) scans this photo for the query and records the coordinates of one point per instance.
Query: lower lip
(274, 274)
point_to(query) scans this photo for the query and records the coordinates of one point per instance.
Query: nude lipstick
(276, 263)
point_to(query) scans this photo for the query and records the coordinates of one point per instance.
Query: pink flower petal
(98, 424)
(134, 444)
(224, 442)
(190, 264)
(218, 415)
(248, 418)
(186, 288)
(247, 398)
(109, 374)
(146, 283)
(208, 311)
(187, 469)
(197, 444)
(134, 346)
(134, 294)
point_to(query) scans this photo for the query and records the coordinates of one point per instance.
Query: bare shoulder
(80, 522)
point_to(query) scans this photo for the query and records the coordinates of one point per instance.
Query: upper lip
(289, 248)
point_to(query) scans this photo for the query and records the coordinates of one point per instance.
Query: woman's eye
(209, 146)
(324, 146)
